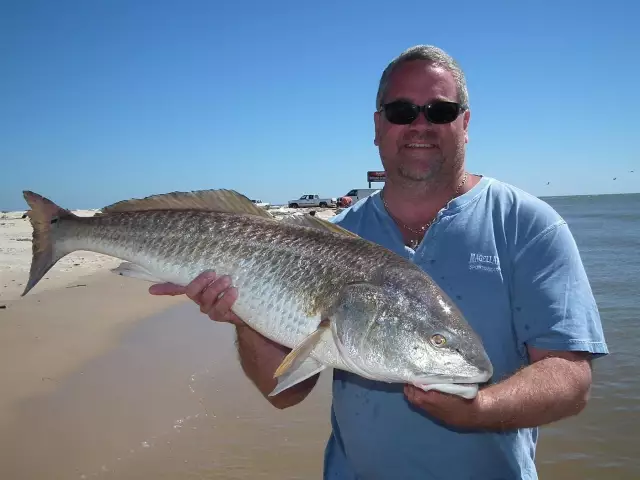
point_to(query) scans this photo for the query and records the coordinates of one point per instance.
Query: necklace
(420, 231)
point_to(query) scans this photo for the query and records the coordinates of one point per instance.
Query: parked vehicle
(260, 203)
(355, 195)
(312, 201)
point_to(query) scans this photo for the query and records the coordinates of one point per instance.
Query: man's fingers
(192, 290)
(212, 291)
(409, 391)
(233, 318)
(417, 396)
(216, 298)
(222, 308)
(166, 289)
(198, 284)
(214, 295)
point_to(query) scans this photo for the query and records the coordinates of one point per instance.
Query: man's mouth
(420, 145)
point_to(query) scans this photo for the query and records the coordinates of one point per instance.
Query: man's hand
(554, 386)
(450, 409)
(215, 295)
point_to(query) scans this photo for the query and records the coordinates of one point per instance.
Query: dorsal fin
(220, 200)
(307, 220)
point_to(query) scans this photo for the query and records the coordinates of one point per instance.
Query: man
(506, 258)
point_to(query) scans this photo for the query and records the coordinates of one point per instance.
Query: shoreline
(50, 334)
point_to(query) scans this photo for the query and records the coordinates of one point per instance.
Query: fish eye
(438, 340)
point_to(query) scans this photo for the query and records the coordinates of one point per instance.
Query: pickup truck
(260, 203)
(312, 201)
(354, 195)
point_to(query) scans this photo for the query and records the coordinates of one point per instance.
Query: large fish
(336, 299)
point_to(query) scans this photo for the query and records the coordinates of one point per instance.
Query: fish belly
(264, 302)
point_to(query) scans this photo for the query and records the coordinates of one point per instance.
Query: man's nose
(421, 123)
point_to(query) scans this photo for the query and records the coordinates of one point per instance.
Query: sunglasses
(401, 112)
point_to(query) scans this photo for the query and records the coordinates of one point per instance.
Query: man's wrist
(487, 414)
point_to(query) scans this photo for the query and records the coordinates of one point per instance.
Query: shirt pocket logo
(486, 263)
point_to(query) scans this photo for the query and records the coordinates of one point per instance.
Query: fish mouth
(464, 390)
(466, 387)
(448, 379)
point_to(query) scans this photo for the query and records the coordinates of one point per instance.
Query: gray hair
(433, 55)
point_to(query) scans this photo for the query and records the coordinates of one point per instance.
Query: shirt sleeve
(553, 305)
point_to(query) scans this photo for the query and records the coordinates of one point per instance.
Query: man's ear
(376, 124)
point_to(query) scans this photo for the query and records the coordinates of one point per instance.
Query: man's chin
(418, 175)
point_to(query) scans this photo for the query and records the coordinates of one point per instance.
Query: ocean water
(170, 402)
(602, 442)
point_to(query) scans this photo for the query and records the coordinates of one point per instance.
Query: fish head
(404, 328)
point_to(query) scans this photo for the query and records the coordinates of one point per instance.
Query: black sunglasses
(402, 112)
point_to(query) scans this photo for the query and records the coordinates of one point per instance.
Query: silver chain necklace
(420, 232)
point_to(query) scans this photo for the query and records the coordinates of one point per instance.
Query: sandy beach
(15, 259)
(49, 334)
(105, 381)
(94, 370)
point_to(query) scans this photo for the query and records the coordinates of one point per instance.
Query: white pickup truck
(312, 201)
(260, 203)
(354, 195)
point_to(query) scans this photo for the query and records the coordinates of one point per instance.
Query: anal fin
(128, 269)
(303, 370)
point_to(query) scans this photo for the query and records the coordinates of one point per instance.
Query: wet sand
(47, 335)
(89, 391)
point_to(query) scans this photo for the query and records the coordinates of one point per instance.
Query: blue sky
(106, 100)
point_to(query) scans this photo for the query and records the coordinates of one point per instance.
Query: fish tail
(44, 215)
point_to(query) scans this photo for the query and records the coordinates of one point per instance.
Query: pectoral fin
(303, 370)
(302, 351)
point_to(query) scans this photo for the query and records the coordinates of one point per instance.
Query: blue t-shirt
(511, 264)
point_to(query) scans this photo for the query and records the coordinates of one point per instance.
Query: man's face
(420, 151)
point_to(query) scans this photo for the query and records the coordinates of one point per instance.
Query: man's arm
(259, 356)
(554, 386)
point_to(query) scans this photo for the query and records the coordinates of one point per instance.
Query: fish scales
(289, 278)
(385, 318)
